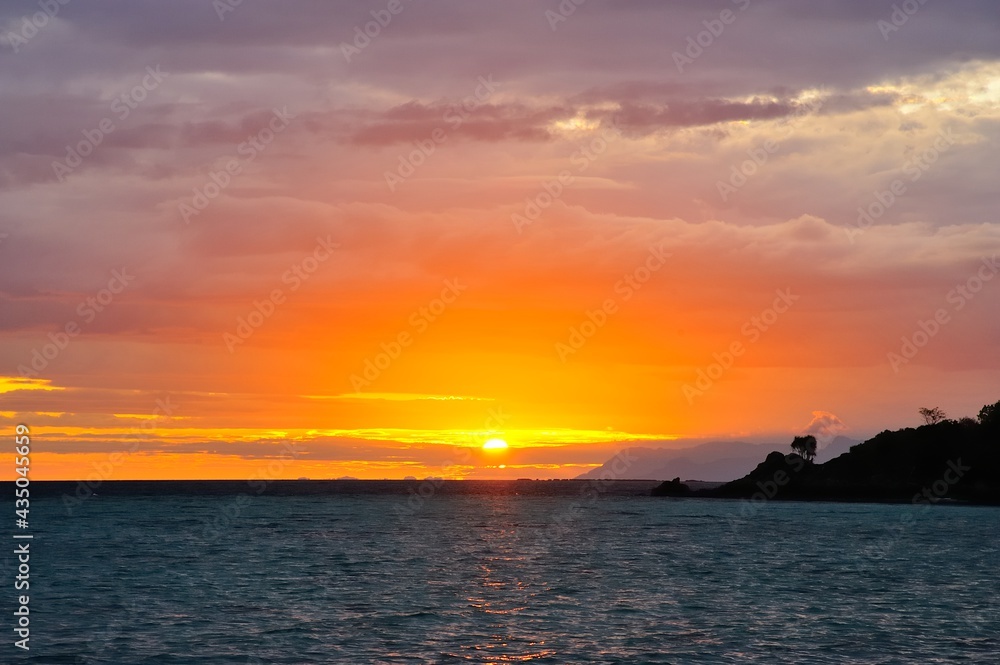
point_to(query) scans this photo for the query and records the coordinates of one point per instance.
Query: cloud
(685, 137)
(826, 427)
(9, 384)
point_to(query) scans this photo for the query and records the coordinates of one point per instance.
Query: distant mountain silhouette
(716, 461)
(949, 460)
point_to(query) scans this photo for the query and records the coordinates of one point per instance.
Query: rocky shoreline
(945, 462)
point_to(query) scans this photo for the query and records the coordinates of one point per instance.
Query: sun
(495, 444)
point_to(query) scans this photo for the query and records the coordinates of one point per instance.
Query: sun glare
(495, 444)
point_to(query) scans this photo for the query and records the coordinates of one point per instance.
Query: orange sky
(380, 263)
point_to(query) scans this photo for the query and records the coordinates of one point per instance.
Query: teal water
(498, 577)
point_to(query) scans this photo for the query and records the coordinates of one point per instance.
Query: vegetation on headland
(944, 459)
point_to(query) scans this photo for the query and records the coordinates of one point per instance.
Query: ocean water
(505, 573)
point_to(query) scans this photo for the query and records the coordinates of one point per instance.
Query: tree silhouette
(989, 416)
(932, 416)
(805, 446)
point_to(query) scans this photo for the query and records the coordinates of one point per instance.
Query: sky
(303, 239)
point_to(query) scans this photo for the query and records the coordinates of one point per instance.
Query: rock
(671, 488)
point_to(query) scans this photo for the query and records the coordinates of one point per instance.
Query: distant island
(943, 460)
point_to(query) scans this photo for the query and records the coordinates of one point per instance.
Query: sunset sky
(245, 239)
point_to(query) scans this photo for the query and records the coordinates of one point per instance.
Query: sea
(358, 572)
